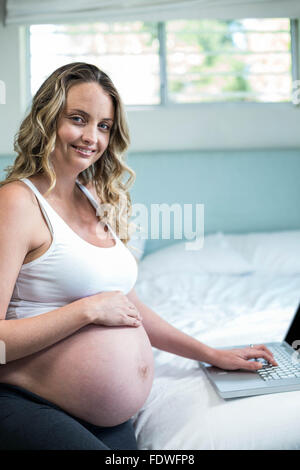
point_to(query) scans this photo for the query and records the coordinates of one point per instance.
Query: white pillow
(274, 252)
(216, 256)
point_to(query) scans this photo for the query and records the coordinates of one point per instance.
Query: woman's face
(83, 128)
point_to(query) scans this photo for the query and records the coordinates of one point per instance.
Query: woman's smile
(85, 151)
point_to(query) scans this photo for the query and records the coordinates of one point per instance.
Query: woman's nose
(89, 134)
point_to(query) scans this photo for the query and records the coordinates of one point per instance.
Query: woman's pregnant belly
(102, 375)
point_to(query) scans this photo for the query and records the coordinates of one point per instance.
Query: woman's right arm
(26, 336)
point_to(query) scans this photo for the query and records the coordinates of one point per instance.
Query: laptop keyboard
(286, 369)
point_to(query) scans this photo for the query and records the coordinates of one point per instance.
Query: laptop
(270, 379)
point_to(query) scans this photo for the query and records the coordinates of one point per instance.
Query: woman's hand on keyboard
(111, 309)
(232, 359)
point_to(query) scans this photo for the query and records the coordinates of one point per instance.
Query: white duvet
(224, 295)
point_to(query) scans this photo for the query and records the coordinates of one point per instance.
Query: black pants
(29, 422)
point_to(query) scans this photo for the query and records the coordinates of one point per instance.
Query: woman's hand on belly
(111, 309)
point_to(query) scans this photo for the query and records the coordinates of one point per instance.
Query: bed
(238, 289)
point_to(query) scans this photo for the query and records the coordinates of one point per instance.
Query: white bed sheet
(183, 410)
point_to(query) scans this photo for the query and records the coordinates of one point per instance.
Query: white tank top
(71, 268)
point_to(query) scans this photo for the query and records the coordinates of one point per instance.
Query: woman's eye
(78, 119)
(104, 126)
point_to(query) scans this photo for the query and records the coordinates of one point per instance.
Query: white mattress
(220, 309)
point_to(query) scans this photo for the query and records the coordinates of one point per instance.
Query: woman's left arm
(164, 336)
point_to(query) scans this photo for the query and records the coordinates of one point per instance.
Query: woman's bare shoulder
(16, 194)
(18, 216)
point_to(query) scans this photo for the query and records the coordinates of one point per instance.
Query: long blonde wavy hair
(36, 138)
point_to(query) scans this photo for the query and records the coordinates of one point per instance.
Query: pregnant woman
(78, 341)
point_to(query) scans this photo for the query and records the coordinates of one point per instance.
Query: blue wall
(242, 190)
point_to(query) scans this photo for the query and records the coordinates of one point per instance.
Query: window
(245, 60)
(128, 52)
(190, 61)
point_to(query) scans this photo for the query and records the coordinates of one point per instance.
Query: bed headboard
(242, 190)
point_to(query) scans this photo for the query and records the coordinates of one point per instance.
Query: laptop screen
(293, 333)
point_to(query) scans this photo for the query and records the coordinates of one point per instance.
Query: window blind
(57, 11)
